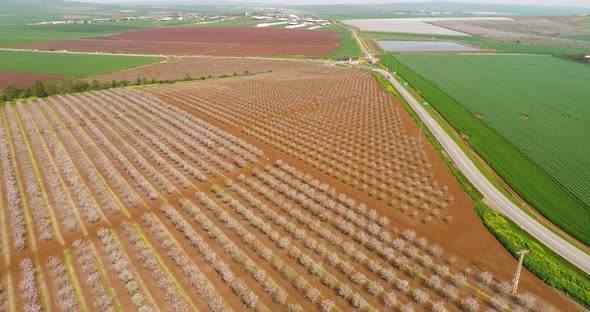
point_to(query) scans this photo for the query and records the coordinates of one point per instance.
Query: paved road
(494, 197)
(368, 56)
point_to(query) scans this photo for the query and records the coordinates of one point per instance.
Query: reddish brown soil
(197, 67)
(465, 237)
(307, 88)
(24, 79)
(220, 41)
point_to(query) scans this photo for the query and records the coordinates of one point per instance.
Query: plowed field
(197, 67)
(220, 41)
(24, 79)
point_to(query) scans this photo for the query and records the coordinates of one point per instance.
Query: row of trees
(115, 179)
(187, 267)
(234, 281)
(13, 195)
(34, 200)
(44, 89)
(53, 186)
(88, 262)
(123, 268)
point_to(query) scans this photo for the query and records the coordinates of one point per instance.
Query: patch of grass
(68, 64)
(541, 261)
(348, 46)
(508, 142)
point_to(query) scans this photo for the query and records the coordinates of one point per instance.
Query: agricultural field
(219, 41)
(526, 35)
(63, 64)
(184, 197)
(500, 46)
(197, 67)
(25, 79)
(26, 34)
(418, 25)
(524, 116)
(348, 46)
(18, 34)
(536, 30)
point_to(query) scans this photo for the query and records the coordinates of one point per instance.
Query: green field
(532, 122)
(580, 37)
(11, 35)
(348, 45)
(68, 64)
(498, 46)
(24, 34)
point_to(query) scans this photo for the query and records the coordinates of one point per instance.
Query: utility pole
(517, 273)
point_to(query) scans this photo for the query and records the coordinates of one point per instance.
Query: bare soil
(219, 41)
(197, 67)
(25, 79)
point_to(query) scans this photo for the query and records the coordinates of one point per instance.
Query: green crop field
(11, 35)
(348, 45)
(68, 64)
(580, 37)
(526, 115)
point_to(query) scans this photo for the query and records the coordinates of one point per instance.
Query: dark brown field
(24, 79)
(219, 41)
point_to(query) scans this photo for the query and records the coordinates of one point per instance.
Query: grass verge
(541, 261)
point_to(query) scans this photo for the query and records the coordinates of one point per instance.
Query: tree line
(44, 89)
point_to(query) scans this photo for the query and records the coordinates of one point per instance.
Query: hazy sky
(577, 3)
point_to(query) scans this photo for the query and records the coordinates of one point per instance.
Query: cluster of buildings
(423, 13)
(171, 17)
(288, 19)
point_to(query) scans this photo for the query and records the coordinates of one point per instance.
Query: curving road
(491, 194)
